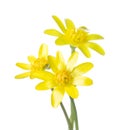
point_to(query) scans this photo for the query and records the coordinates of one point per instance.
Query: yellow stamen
(76, 37)
(63, 77)
(39, 64)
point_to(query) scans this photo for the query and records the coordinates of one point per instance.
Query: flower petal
(24, 66)
(44, 85)
(82, 81)
(72, 91)
(23, 75)
(53, 63)
(60, 61)
(94, 37)
(81, 69)
(43, 51)
(31, 59)
(53, 32)
(96, 47)
(59, 23)
(72, 60)
(85, 50)
(69, 24)
(61, 41)
(57, 96)
(44, 75)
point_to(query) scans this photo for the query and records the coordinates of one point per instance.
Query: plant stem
(74, 113)
(66, 116)
(74, 117)
(72, 49)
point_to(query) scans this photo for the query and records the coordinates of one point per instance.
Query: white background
(22, 23)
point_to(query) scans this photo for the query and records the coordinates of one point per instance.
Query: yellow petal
(31, 59)
(24, 66)
(60, 61)
(57, 96)
(61, 41)
(53, 32)
(85, 50)
(96, 47)
(82, 81)
(23, 75)
(81, 69)
(69, 24)
(44, 75)
(94, 37)
(53, 63)
(44, 85)
(72, 91)
(43, 51)
(72, 60)
(59, 23)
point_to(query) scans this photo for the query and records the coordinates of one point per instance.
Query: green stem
(74, 116)
(74, 113)
(66, 116)
(72, 49)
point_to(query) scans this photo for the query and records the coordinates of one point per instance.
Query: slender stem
(75, 113)
(66, 116)
(72, 49)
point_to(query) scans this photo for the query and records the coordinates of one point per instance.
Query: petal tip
(89, 82)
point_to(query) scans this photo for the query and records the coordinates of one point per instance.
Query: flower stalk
(74, 116)
(66, 116)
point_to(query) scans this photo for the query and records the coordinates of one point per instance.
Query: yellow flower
(64, 77)
(76, 37)
(36, 64)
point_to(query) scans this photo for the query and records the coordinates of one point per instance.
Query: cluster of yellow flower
(62, 77)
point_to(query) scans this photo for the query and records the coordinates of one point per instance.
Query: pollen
(39, 64)
(63, 77)
(79, 37)
(76, 37)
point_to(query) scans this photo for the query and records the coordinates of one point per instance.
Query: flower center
(63, 77)
(76, 37)
(80, 36)
(39, 64)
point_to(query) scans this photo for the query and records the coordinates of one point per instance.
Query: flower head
(64, 77)
(36, 64)
(76, 37)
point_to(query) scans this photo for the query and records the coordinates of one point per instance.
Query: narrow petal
(60, 61)
(61, 41)
(44, 75)
(72, 91)
(23, 75)
(97, 48)
(69, 24)
(31, 59)
(53, 32)
(24, 66)
(43, 51)
(57, 96)
(72, 60)
(94, 37)
(53, 63)
(59, 23)
(81, 69)
(44, 85)
(82, 81)
(85, 51)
